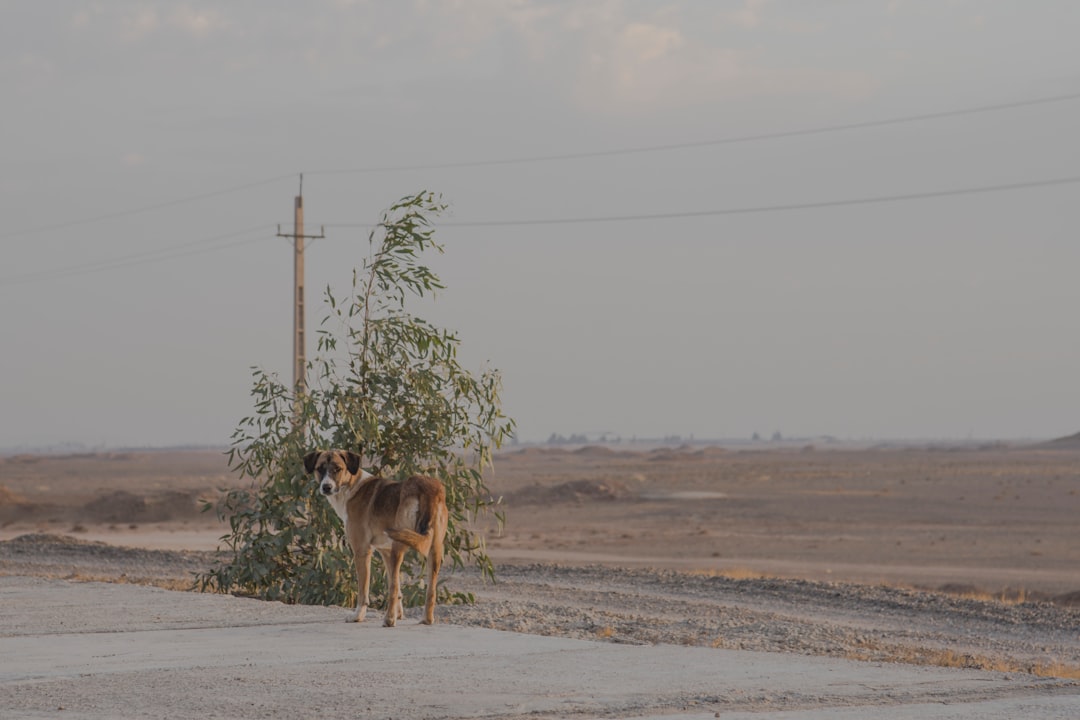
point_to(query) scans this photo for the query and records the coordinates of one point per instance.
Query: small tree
(385, 384)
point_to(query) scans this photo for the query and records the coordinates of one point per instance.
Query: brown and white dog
(387, 516)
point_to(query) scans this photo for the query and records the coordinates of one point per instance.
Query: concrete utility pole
(298, 237)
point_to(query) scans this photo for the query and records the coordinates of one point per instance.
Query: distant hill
(1071, 441)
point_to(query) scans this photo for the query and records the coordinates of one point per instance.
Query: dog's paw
(358, 616)
(389, 621)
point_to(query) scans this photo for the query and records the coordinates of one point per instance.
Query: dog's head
(332, 469)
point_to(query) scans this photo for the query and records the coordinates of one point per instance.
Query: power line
(144, 209)
(178, 251)
(552, 158)
(706, 143)
(755, 209)
(142, 258)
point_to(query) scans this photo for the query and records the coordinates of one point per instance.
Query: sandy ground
(927, 557)
(993, 518)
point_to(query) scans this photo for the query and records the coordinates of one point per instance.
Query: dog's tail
(419, 538)
(417, 541)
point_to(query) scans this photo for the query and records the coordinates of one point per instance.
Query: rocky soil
(873, 623)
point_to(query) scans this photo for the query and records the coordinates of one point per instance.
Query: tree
(385, 384)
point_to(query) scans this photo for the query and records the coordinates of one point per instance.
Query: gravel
(874, 623)
(61, 556)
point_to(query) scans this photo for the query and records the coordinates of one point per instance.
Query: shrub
(385, 384)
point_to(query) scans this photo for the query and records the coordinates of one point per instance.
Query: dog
(386, 516)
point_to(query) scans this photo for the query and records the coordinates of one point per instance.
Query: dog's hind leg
(434, 562)
(385, 554)
(392, 557)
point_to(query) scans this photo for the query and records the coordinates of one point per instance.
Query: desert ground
(995, 518)
(952, 556)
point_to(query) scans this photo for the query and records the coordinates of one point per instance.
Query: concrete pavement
(95, 650)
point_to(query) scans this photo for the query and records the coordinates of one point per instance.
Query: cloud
(199, 23)
(749, 16)
(603, 56)
(139, 23)
(645, 43)
(622, 57)
(653, 64)
(644, 64)
(83, 17)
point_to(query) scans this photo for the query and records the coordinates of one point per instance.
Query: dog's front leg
(363, 583)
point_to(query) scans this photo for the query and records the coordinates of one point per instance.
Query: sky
(707, 219)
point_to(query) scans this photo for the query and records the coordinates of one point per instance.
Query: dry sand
(879, 555)
(991, 518)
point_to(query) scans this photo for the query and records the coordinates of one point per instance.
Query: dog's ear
(309, 461)
(352, 462)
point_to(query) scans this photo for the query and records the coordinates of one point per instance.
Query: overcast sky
(149, 149)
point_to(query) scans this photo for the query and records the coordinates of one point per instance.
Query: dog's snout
(326, 488)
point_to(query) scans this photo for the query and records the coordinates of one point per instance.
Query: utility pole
(298, 238)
